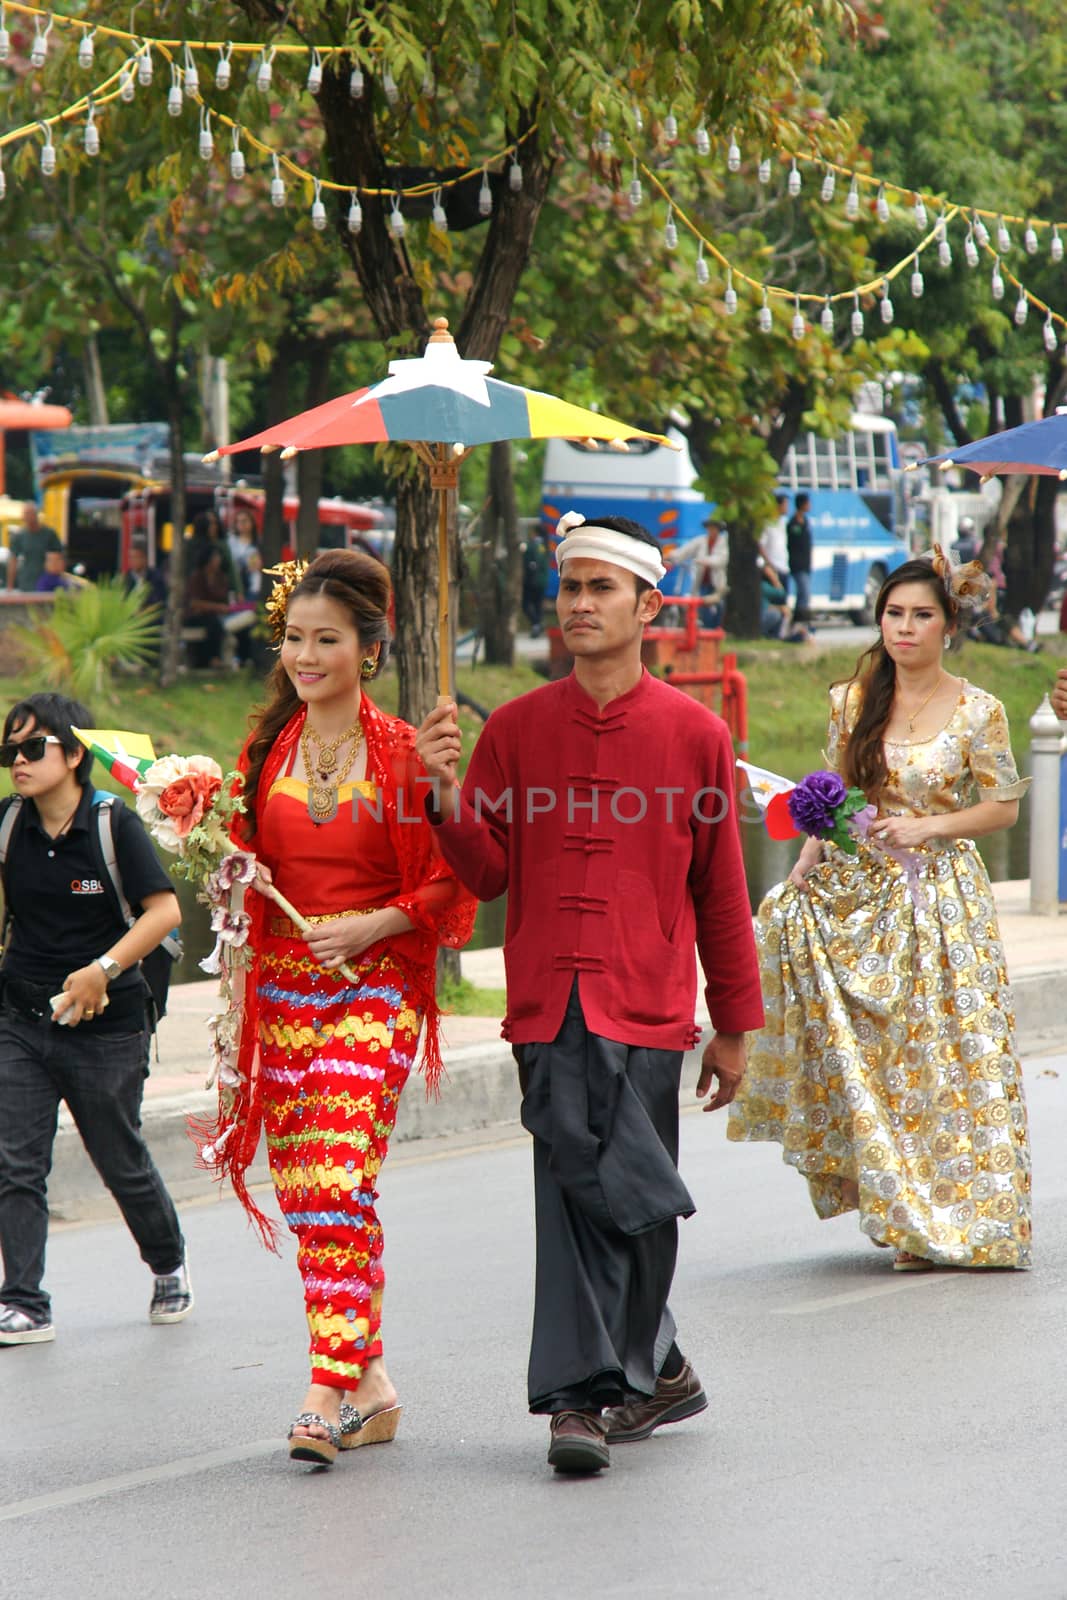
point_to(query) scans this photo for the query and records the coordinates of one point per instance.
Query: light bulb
(639, 121)
(1030, 240)
(1003, 237)
(48, 155)
(981, 232)
(729, 298)
(264, 78)
(3, 181)
(1022, 309)
(944, 251)
(145, 67)
(826, 320)
(670, 232)
(389, 88)
(1048, 334)
(314, 83)
(917, 284)
(92, 136)
(733, 156)
(766, 321)
(970, 249)
(602, 142)
(438, 216)
(852, 201)
(397, 226)
(237, 157)
(885, 305)
(670, 128)
(277, 186)
(39, 52)
(174, 99)
(206, 143)
(5, 41)
(224, 71)
(763, 171)
(127, 86)
(794, 182)
(1055, 248)
(514, 176)
(881, 205)
(356, 84)
(355, 215)
(702, 266)
(702, 140)
(318, 210)
(855, 321)
(192, 75)
(485, 196)
(920, 213)
(996, 282)
(428, 88)
(798, 327)
(636, 193)
(86, 49)
(829, 183)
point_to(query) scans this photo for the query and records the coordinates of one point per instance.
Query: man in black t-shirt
(73, 1025)
(798, 538)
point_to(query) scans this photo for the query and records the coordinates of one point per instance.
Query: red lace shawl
(439, 907)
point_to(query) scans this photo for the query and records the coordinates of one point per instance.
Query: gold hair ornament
(288, 575)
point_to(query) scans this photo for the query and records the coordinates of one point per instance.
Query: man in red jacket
(604, 805)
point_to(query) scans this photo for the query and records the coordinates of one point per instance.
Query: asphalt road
(869, 1433)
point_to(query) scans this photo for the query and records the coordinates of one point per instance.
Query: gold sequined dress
(888, 1052)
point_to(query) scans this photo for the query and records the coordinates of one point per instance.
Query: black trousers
(101, 1078)
(604, 1120)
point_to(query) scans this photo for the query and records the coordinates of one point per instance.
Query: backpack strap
(105, 828)
(7, 828)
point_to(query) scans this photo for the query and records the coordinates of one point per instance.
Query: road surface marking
(830, 1302)
(188, 1467)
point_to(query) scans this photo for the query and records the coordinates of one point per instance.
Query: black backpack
(157, 965)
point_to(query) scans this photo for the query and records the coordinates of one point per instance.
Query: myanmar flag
(126, 756)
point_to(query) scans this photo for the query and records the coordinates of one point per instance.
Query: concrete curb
(481, 1092)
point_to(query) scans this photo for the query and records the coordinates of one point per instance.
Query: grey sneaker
(18, 1327)
(172, 1296)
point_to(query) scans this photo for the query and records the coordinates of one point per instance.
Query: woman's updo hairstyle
(361, 584)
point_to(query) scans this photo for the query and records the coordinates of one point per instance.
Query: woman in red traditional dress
(335, 798)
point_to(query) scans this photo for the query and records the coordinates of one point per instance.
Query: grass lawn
(787, 697)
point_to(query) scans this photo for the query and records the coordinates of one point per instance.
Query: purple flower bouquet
(823, 806)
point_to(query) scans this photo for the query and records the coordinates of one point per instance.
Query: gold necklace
(919, 709)
(323, 778)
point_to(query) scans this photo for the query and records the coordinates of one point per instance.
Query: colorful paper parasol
(442, 406)
(1034, 447)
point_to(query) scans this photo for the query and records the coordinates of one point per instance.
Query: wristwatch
(111, 968)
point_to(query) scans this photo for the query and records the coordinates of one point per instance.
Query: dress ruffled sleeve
(842, 715)
(991, 761)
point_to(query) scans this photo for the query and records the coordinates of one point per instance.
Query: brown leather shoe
(674, 1400)
(577, 1442)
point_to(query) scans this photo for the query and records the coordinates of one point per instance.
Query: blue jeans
(101, 1078)
(802, 585)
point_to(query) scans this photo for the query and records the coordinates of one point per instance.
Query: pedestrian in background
(534, 580)
(774, 545)
(29, 546)
(73, 1019)
(708, 557)
(334, 814)
(798, 544)
(606, 905)
(888, 1069)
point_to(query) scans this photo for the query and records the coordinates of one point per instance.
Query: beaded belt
(286, 928)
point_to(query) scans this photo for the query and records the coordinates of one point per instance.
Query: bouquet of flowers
(824, 807)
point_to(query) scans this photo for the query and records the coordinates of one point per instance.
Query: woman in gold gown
(887, 1066)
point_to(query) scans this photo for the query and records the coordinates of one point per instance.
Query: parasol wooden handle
(301, 922)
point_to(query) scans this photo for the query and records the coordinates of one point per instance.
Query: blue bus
(854, 480)
(857, 512)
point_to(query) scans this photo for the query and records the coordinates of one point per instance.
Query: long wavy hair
(876, 676)
(360, 584)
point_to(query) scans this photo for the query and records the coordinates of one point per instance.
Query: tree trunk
(1030, 550)
(170, 652)
(273, 535)
(742, 580)
(310, 464)
(414, 564)
(94, 383)
(500, 563)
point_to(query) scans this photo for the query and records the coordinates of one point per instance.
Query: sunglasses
(31, 749)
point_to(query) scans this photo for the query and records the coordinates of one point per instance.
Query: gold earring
(369, 667)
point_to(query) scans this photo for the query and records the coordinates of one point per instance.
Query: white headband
(605, 544)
